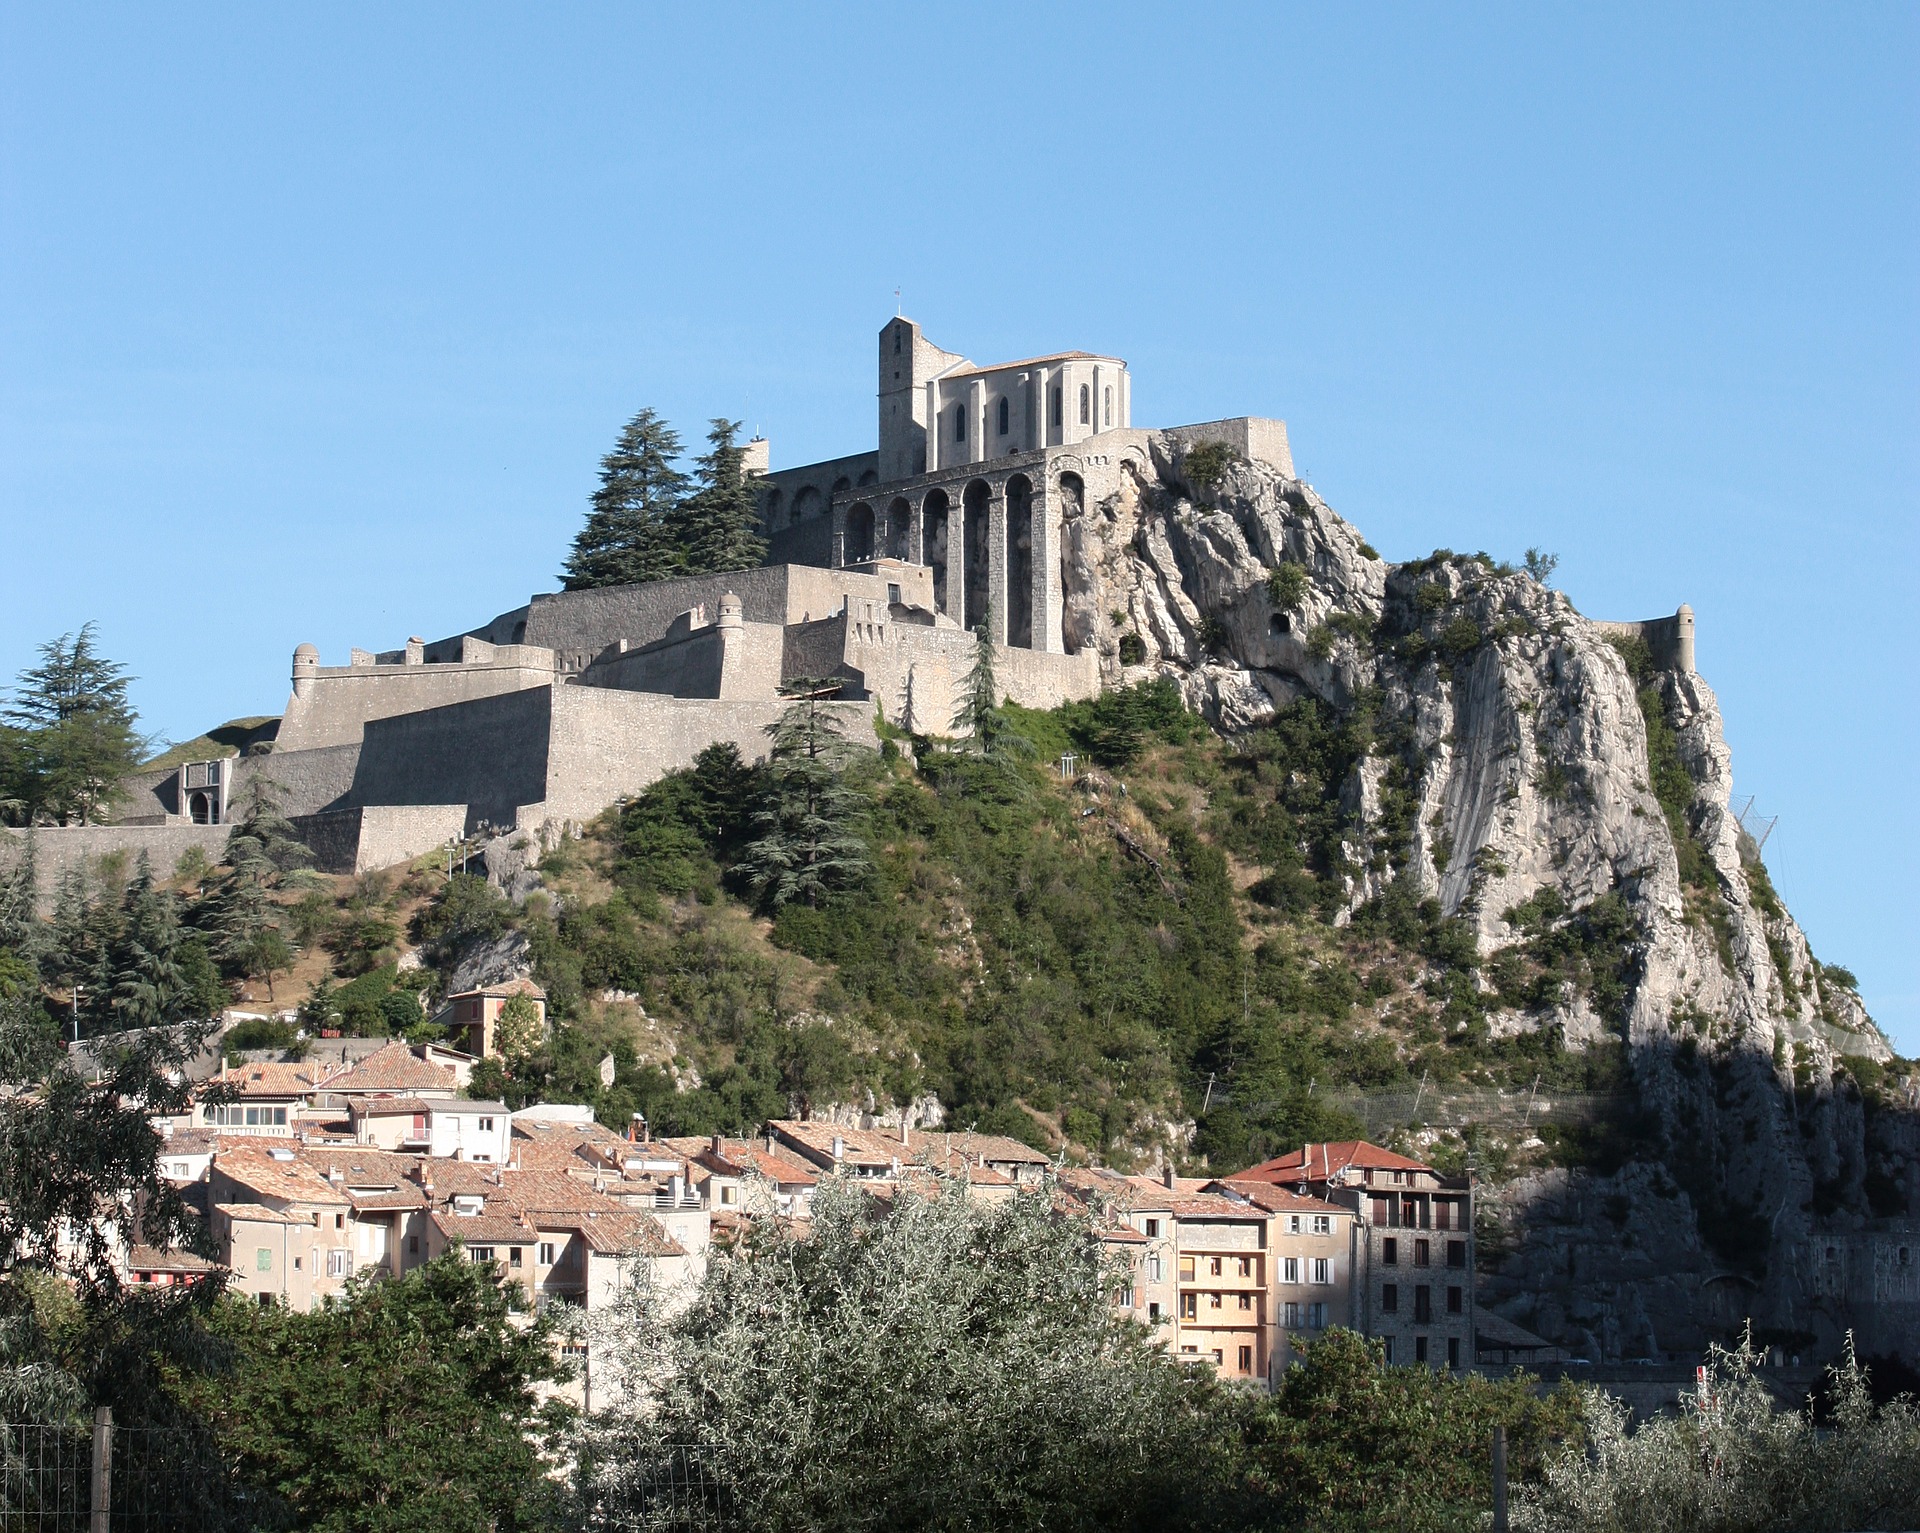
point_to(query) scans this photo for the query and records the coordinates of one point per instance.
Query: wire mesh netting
(676, 1490)
(50, 1474)
(47, 1472)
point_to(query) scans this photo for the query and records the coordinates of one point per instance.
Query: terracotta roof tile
(393, 1071)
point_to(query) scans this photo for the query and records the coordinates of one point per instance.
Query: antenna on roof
(897, 311)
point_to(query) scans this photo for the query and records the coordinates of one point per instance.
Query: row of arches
(781, 511)
(957, 544)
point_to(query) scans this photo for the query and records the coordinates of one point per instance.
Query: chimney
(839, 1148)
(905, 1135)
(716, 1144)
(1166, 1176)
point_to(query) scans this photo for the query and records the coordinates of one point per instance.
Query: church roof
(1054, 356)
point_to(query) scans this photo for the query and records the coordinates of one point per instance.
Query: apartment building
(1412, 1246)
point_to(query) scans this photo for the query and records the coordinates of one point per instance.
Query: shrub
(1320, 641)
(1430, 597)
(1207, 464)
(1286, 585)
(1731, 1462)
(1461, 637)
(1368, 551)
(1133, 649)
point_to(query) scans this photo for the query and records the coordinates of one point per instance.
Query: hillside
(1452, 864)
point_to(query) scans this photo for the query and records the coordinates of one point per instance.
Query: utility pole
(76, 1011)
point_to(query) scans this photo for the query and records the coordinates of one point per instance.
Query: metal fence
(673, 1490)
(80, 1477)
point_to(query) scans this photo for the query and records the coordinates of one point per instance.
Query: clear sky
(314, 321)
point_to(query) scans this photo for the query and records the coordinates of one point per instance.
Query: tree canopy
(68, 735)
(651, 521)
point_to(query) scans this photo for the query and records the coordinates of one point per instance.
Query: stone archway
(899, 529)
(1020, 544)
(858, 546)
(935, 514)
(977, 501)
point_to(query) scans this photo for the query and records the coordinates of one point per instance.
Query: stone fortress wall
(1668, 639)
(881, 567)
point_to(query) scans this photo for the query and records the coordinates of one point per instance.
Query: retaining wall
(56, 848)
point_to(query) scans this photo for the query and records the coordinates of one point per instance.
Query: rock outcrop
(1543, 757)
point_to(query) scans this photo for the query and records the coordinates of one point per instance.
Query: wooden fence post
(1499, 1480)
(100, 1501)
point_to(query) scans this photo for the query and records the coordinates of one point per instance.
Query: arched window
(1056, 405)
(1086, 405)
(1003, 415)
(1108, 404)
(959, 423)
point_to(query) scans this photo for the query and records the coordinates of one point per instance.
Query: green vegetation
(407, 1403)
(1206, 464)
(68, 736)
(650, 521)
(917, 1342)
(1286, 585)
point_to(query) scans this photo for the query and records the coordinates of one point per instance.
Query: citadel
(880, 567)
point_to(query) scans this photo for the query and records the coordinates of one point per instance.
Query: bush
(1731, 1462)
(1286, 585)
(1207, 464)
(1133, 649)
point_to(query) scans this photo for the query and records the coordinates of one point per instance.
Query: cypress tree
(627, 538)
(717, 528)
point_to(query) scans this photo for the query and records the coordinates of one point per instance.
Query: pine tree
(627, 539)
(809, 841)
(149, 988)
(74, 736)
(978, 713)
(717, 528)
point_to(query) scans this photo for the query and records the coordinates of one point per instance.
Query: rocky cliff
(1533, 768)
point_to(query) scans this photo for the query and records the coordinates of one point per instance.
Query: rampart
(331, 705)
(1668, 639)
(58, 848)
(1251, 436)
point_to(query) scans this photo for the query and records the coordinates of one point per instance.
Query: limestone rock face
(1528, 760)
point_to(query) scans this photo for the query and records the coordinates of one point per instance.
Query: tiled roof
(551, 1146)
(1055, 356)
(274, 1078)
(1278, 1199)
(881, 1147)
(490, 1225)
(393, 1071)
(259, 1213)
(1316, 1161)
(622, 1232)
(141, 1258)
(292, 1180)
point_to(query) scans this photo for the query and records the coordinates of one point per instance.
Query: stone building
(1412, 1259)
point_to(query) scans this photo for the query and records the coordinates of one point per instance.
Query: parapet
(1668, 639)
(1252, 436)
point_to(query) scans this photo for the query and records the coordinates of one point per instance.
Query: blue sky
(313, 324)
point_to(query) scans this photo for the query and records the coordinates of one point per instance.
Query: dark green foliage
(626, 539)
(258, 1033)
(1286, 585)
(717, 527)
(1349, 1444)
(1133, 649)
(1368, 551)
(678, 835)
(1206, 464)
(408, 1404)
(1113, 728)
(68, 736)
(1541, 565)
(1430, 598)
(807, 842)
(1460, 638)
(1595, 948)
(467, 910)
